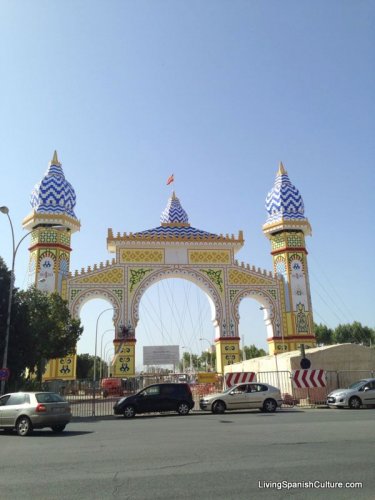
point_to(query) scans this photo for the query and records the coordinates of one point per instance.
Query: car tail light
(40, 408)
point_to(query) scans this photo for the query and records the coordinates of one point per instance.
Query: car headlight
(338, 395)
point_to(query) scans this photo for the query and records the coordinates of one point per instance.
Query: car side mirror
(366, 388)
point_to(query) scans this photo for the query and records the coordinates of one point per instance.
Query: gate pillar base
(123, 364)
(227, 352)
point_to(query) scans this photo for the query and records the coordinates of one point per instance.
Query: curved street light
(191, 356)
(5, 210)
(101, 351)
(107, 348)
(96, 342)
(109, 355)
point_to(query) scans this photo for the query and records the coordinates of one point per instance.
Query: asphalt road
(201, 456)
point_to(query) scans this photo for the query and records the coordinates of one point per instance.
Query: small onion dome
(174, 213)
(54, 194)
(284, 201)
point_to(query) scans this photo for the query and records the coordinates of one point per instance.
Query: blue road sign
(4, 373)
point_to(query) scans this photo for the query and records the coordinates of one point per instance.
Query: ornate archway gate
(207, 261)
(175, 249)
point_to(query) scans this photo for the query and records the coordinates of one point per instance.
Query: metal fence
(89, 401)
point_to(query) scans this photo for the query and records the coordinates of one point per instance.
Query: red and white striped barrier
(232, 379)
(303, 379)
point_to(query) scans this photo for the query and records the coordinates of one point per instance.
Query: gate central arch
(183, 273)
(176, 249)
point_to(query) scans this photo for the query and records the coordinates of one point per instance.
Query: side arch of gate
(271, 305)
(83, 296)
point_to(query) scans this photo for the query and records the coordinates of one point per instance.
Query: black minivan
(156, 398)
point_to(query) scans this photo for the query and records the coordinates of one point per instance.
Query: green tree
(41, 328)
(354, 333)
(19, 347)
(85, 367)
(253, 352)
(323, 334)
(52, 330)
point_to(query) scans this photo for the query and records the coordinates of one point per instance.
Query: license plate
(58, 410)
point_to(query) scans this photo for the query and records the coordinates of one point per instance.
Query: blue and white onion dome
(54, 194)
(174, 213)
(284, 202)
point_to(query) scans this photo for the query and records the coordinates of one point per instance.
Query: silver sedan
(25, 411)
(243, 397)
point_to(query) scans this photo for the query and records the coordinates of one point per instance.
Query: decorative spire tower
(174, 214)
(286, 227)
(52, 221)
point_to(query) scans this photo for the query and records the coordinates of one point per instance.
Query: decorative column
(286, 228)
(52, 222)
(227, 345)
(123, 364)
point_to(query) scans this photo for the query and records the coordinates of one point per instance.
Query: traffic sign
(308, 378)
(305, 363)
(235, 378)
(4, 373)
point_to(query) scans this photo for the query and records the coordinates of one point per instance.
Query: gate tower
(286, 227)
(52, 222)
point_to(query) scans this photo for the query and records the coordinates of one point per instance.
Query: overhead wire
(181, 314)
(161, 328)
(343, 308)
(174, 310)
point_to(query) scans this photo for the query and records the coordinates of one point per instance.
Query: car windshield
(356, 385)
(228, 390)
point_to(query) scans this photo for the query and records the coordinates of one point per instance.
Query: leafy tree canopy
(353, 333)
(85, 367)
(41, 327)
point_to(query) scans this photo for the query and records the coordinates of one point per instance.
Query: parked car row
(178, 397)
(25, 411)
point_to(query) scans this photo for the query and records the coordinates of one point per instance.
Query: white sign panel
(161, 355)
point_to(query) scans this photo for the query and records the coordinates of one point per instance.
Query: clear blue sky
(217, 92)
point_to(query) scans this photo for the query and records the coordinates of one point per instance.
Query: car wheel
(58, 428)
(355, 403)
(269, 405)
(24, 426)
(129, 412)
(183, 408)
(218, 407)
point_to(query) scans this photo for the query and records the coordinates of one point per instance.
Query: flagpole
(170, 181)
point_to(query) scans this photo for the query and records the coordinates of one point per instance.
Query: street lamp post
(107, 356)
(5, 210)
(94, 375)
(107, 349)
(96, 342)
(191, 355)
(101, 351)
(209, 343)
